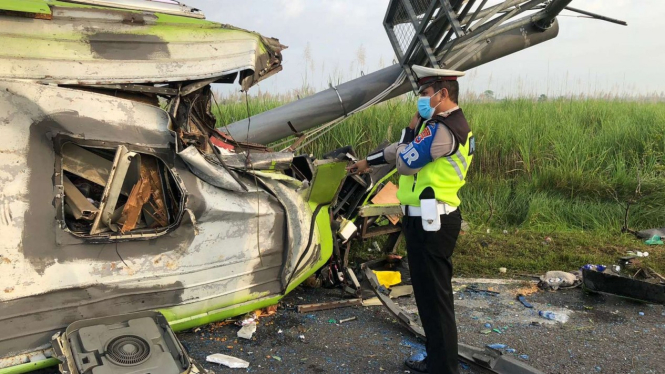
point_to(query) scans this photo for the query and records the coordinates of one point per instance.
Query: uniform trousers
(431, 268)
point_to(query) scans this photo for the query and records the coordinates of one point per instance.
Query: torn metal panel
(123, 159)
(79, 161)
(175, 8)
(216, 175)
(374, 210)
(258, 160)
(152, 48)
(80, 206)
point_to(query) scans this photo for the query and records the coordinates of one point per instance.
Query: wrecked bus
(121, 195)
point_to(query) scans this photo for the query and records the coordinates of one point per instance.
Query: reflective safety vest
(445, 175)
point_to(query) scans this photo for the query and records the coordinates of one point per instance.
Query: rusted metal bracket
(305, 308)
(487, 358)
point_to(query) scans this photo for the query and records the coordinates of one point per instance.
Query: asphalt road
(603, 334)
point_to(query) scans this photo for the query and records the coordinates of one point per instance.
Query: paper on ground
(229, 361)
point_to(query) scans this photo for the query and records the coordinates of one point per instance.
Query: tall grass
(547, 165)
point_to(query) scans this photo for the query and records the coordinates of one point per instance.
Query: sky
(340, 39)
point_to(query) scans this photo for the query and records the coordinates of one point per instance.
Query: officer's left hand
(359, 167)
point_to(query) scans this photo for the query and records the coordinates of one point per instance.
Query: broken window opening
(117, 193)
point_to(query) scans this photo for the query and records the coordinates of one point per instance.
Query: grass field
(560, 168)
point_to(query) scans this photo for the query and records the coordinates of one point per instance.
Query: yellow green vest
(446, 175)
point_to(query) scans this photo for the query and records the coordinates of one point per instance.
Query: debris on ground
(654, 240)
(228, 361)
(341, 321)
(553, 280)
(522, 299)
(563, 318)
(247, 331)
(304, 308)
(503, 270)
(388, 278)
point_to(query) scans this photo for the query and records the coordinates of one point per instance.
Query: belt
(414, 211)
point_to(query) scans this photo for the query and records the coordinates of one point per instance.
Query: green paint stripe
(25, 6)
(31, 366)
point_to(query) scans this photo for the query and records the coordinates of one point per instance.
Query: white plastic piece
(247, 331)
(347, 229)
(228, 361)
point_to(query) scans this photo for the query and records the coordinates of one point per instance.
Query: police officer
(432, 158)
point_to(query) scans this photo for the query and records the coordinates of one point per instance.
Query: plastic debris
(388, 278)
(464, 366)
(347, 320)
(497, 346)
(641, 313)
(503, 270)
(524, 357)
(332, 320)
(511, 350)
(554, 317)
(598, 369)
(247, 331)
(488, 325)
(497, 331)
(655, 240)
(301, 337)
(558, 279)
(228, 361)
(600, 268)
(485, 331)
(277, 358)
(522, 299)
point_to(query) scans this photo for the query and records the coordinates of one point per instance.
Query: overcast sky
(341, 38)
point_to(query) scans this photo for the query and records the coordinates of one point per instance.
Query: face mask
(424, 109)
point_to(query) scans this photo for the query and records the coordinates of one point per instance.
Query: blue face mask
(424, 109)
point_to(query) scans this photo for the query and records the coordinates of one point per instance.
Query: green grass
(562, 168)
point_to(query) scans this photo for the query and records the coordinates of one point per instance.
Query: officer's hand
(359, 167)
(414, 121)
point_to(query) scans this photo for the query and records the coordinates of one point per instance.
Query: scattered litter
(301, 337)
(497, 346)
(464, 366)
(600, 268)
(641, 313)
(488, 231)
(197, 329)
(277, 358)
(554, 317)
(280, 331)
(304, 308)
(485, 331)
(559, 279)
(347, 320)
(332, 320)
(475, 289)
(522, 300)
(399, 291)
(524, 357)
(488, 325)
(505, 232)
(654, 240)
(497, 331)
(510, 350)
(598, 369)
(228, 361)
(388, 278)
(247, 331)
(503, 270)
